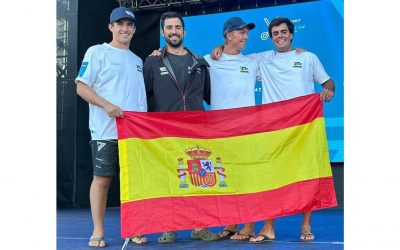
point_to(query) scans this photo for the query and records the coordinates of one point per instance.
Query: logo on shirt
(163, 71)
(297, 65)
(244, 69)
(139, 68)
(83, 68)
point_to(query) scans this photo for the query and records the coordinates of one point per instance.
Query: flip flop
(304, 236)
(230, 233)
(167, 237)
(265, 238)
(246, 236)
(99, 240)
(138, 240)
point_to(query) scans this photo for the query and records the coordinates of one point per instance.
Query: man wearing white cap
(110, 80)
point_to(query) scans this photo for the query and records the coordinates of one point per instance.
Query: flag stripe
(181, 213)
(220, 123)
(243, 162)
(271, 161)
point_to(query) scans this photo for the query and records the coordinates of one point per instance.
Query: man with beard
(177, 80)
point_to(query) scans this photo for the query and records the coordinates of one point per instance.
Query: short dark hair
(171, 14)
(278, 21)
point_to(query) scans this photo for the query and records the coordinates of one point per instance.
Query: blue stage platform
(75, 226)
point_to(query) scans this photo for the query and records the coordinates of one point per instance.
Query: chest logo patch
(163, 71)
(244, 69)
(297, 65)
(139, 68)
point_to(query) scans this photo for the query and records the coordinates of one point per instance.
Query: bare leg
(98, 203)
(306, 233)
(267, 230)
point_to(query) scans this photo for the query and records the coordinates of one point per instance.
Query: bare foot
(97, 242)
(265, 234)
(242, 235)
(307, 236)
(138, 239)
(228, 231)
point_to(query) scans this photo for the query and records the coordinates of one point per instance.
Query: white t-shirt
(117, 76)
(233, 79)
(288, 75)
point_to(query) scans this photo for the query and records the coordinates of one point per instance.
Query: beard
(174, 44)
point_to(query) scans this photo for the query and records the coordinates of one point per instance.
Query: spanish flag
(184, 170)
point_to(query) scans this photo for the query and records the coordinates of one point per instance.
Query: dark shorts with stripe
(105, 157)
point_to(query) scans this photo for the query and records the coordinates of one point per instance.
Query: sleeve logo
(83, 68)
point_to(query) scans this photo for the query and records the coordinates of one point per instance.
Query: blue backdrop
(318, 29)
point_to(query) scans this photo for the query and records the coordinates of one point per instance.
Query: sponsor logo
(265, 34)
(296, 22)
(297, 64)
(163, 71)
(139, 68)
(83, 68)
(129, 13)
(100, 145)
(244, 69)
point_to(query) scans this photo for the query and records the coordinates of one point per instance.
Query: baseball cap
(236, 23)
(121, 12)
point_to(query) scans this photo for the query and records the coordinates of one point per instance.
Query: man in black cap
(110, 80)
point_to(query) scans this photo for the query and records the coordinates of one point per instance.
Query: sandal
(204, 234)
(307, 236)
(138, 240)
(99, 240)
(264, 239)
(243, 236)
(230, 233)
(167, 237)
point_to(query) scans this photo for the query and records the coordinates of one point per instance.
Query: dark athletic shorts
(105, 157)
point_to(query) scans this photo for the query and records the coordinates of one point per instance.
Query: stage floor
(74, 227)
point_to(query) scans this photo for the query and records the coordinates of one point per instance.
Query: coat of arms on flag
(201, 170)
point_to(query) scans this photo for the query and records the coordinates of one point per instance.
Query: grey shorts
(105, 157)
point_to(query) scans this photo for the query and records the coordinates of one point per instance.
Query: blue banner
(318, 29)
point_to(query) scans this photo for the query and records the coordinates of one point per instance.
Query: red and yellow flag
(184, 170)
